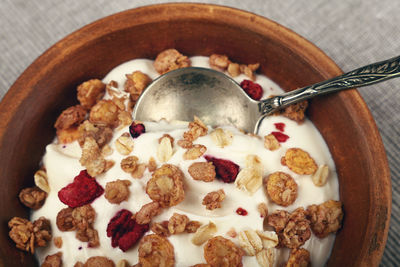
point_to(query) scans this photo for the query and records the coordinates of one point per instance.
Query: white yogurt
(62, 165)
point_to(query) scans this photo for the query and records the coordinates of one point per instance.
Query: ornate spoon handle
(367, 75)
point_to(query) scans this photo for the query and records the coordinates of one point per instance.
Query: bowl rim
(372, 250)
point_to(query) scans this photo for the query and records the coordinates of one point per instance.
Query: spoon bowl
(208, 94)
(218, 100)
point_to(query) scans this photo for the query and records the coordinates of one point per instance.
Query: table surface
(353, 33)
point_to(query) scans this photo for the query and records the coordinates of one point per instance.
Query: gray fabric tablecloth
(353, 33)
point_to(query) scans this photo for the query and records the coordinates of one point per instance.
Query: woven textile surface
(353, 33)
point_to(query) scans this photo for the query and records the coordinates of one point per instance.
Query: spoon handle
(367, 75)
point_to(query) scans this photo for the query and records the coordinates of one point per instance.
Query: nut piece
(105, 112)
(117, 191)
(177, 223)
(53, 260)
(170, 59)
(202, 171)
(91, 158)
(213, 199)
(194, 152)
(204, 233)
(90, 92)
(219, 62)
(271, 143)
(269, 238)
(221, 138)
(320, 177)
(299, 161)
(281, 188)
(124, 144)
(164, 150)
(266, 257)
(129, 164)
(263, 210)
(196, 129)
(71, 117)
(41, 180)
(135, 83)
(220, 251)
(32, 197)
(250, 242)
(58, 241)
(155, 250)
(99, 261)
(101, 134)
(166, 186)
(299, 257)
(325, 218)
(147, 212)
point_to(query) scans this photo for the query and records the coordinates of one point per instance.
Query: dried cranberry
(281, 137)
(83, 190)
(280, 126)
(252, 89)
(124, 231)
(241, 212)
(136, 129)
(226, 170)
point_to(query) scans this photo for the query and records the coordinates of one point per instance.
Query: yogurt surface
(62, 165)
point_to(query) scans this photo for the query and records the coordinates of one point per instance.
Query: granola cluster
(81, 220)
(105, 109)
(29, 235)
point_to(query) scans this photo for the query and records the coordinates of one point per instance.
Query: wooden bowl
(48, 86)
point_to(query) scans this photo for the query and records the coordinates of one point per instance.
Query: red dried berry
(252, 89)
(136, 129)
(226, 170)
(132, 237)
(241, 212)
(281, 137)
(83, 190)
(280, 126)
(124, 231)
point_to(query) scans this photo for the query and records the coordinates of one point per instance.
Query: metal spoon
(218, 100)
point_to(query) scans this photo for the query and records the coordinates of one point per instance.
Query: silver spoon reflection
(218, 100)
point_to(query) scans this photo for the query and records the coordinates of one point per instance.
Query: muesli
(117, 192)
